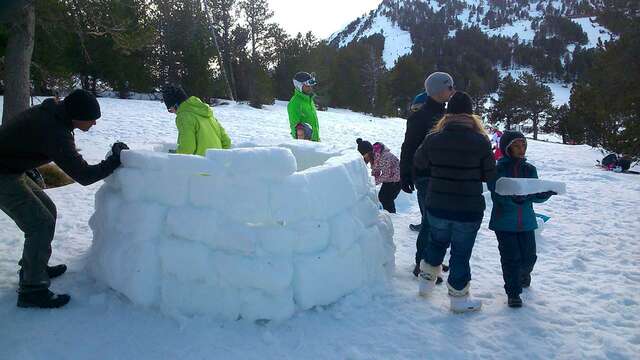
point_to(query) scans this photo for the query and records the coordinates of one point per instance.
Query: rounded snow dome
(256, 232)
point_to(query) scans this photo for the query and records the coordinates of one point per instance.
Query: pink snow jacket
(386, 166)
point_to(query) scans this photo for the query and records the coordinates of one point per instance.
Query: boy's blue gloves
(518, 199)
(545, 195)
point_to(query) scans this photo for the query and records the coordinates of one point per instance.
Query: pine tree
(508, 107)
(537, 101)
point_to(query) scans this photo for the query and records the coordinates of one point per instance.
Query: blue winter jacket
(506, 215)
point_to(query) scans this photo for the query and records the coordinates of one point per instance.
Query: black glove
(518, 199)
(116, 149)
(407, 185)
(546, 194)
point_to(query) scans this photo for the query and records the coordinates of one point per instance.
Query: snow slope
(398, 40)
(584, 301)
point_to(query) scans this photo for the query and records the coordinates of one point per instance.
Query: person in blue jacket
(513, 219)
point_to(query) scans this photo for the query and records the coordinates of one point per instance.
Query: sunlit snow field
(584, 301)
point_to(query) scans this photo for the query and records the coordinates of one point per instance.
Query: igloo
(256, 232)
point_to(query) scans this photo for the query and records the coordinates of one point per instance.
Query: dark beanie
(82, 105)
(507, 138)
(460, 103)
(173, 95)
(364, 146)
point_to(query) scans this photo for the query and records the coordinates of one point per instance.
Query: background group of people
(446, 156)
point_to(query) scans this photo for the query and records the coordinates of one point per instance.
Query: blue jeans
(422, 185)
(461, 236)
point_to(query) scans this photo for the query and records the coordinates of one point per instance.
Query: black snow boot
(525, 281)
(515, 302)
(55, 271)
(43, 299)
(415, 227)
(52, 271)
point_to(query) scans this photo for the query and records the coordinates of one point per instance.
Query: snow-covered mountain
(399, 21)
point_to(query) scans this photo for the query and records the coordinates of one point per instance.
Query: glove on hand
(407, 185)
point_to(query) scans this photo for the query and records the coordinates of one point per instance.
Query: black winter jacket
(419, 125)
(42, 134)
(459, 160)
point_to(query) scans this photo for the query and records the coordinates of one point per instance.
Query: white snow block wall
(253, 232)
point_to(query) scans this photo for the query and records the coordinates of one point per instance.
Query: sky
(323, 17)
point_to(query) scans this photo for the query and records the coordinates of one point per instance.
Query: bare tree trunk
(18, 62)
(220, 57)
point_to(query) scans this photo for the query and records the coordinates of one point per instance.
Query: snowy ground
(584, 301)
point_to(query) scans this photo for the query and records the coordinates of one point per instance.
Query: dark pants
(35, 214)
(461, 236)
(422, 185)
(517, 256)
(388, 193)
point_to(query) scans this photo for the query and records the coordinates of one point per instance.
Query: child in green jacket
(513, 219)
(198, 129)
(301, 107)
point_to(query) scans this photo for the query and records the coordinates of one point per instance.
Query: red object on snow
(497, 154)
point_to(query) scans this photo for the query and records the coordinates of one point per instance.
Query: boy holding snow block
(385, 169)
(513, 219)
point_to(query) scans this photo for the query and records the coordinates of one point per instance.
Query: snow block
(180, 298)
(143, 159)
(256, 305)
(277, 240)
(338, 273)
(262, 162)
(206, 191)
(187, 261)
(252, 233)
(271, 275)
(332, 190)
(345, 230)
(290, 199)
(133, 183)
(190, 165)
(523, 186)
(366, 210)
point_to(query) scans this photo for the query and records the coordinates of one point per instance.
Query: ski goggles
(310, 82)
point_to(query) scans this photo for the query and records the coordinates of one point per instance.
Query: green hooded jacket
(301, 108)
(198, 129)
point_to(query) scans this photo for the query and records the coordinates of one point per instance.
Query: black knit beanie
(173, 95)
(364, 146)
(460, 103)
(507, 139)
(81, 105)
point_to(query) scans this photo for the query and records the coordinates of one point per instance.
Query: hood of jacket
(196, 106)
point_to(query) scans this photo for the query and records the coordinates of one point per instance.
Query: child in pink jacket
(385, 169)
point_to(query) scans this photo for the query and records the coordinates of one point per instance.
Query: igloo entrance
(253, 232)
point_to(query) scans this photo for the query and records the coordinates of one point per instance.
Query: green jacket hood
(196, 106)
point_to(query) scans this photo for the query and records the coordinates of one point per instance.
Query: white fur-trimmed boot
(461, 300)
(427, 278)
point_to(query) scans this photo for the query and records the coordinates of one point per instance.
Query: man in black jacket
(35, 137)
(439, 87)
